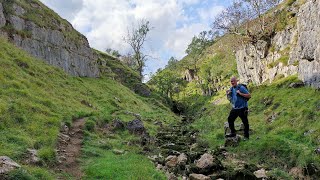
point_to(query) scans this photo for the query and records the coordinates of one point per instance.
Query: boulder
(207, 163)
(232, 141)
(171, 161)
(32, 157)
(198, 177)
(7, 165)
(182, 159)
(136, 127)
(117, 125)
(261, 174)
(296, 173)
(171, 176)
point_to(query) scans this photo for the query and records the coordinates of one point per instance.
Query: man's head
(234, 81)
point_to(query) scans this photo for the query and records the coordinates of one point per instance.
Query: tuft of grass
(283, 60)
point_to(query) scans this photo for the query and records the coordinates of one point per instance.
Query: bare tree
(231, 19)
(246, 18)
(136, 37)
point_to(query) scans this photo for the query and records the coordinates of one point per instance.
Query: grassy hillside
(284, 121)
(37, 98)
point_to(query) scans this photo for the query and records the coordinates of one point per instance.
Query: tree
(246, 18)
(172, 63)
(112, 52)
(198, 45)
(165, 82)
(231, 19)
(136, 37)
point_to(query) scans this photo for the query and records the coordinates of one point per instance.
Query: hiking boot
(230, 135)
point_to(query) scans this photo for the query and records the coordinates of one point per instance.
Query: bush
(19, 174)
(47, 155)
(90, 125)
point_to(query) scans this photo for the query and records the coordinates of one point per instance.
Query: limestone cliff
(35, 28)
(296, 49)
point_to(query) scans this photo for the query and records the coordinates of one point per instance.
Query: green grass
(100, 162)
(36, 98)
(283, 59)
(280, 143)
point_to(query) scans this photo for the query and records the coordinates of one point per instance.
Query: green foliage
(166, 82)
(283, 59)
(48, 155)
(90, 125)
(19, 174)
(290, 2)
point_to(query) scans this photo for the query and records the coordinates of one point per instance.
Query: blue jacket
(238, 101)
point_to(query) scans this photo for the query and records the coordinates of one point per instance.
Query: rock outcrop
(308, 45)
(296, 49)
(59, 45)
(7, 165)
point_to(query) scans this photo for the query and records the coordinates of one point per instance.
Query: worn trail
(69, 149)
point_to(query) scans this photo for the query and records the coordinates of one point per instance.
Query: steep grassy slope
(284, 121)
(36, 98)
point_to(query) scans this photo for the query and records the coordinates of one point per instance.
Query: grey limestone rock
(74, 56)
(2, 18)
(308, 44)
(7, 165)
(299, 43)
(198, 177)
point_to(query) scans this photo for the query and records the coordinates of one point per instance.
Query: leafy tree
(172, 63)
(136, 39)
(198, 45)
(165, 82)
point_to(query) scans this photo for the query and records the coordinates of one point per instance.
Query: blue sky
(174, 22)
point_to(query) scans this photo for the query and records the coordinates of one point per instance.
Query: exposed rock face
(2, 18)
(74, 56)
(256, 64)
(293, 50)
(308, 45)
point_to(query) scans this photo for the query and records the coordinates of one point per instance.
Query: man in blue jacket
(238, 95)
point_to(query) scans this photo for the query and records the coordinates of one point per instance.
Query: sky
(174, 22)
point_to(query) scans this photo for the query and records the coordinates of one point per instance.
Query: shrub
(90, 125)
(47, 155)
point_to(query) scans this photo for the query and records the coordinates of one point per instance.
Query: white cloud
(105, 23)
(181, 38)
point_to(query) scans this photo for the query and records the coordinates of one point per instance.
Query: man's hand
(238, 92)
(228, 92)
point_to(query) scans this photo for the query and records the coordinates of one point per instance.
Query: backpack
(245, 86)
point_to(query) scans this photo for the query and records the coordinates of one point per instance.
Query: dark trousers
(243, 114)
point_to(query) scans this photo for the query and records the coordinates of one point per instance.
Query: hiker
(238, 95)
